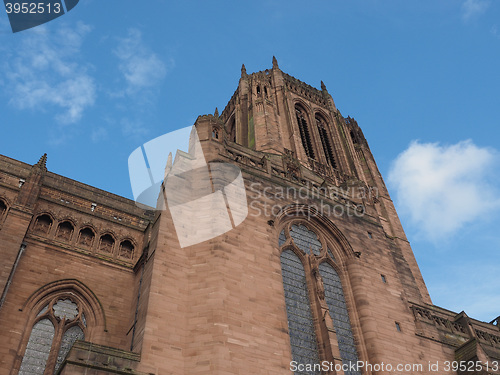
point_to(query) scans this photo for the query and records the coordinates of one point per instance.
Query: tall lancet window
(305, 134)
(325, 142)
(231, 129)
(303, 339)
(307, 259)
(334, 296)
(56, 328)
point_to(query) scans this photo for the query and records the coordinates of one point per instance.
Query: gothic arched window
(325, 142)
(231, 130)
(306, 259)
(305, 134)
(56, 328)
(354, 138)
(215, 133)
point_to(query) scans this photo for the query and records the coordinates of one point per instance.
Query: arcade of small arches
(83, 238)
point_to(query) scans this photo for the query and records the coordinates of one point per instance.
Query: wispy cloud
(44, 73)
(474, 8)
(141, 67)
(133, 128)
(443, 188)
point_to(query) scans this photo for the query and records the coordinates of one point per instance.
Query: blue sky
(420, 77)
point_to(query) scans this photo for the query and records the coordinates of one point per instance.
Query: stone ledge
(102, 359)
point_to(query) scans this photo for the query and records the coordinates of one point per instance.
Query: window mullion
(56, 343)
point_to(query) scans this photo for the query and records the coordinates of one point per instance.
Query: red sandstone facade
(138, 303)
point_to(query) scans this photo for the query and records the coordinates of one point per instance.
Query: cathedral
(313, 276)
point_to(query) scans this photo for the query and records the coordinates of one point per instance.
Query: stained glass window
(49, 344)
(335, 300)
(331, 255)
(38, 349)
(70, 336)
(66, 309)
(302, 331)
(300, 323)
(305, 239)
(282, 238)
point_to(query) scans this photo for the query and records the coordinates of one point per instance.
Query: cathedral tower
(319, 278)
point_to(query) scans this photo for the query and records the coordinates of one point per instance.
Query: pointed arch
(341, 247)
(324, 252)
(304, 130)
(231, 128)
(58, 314)
(326, 141)
(38, 299)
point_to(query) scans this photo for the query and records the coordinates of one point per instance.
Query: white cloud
(140, 67)
(44, 72)
(443, 188)
(474, 8)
